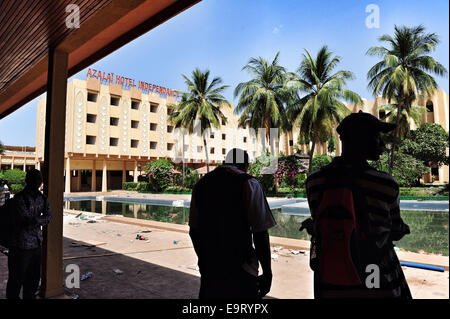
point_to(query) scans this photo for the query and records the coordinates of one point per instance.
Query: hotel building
(114, 132)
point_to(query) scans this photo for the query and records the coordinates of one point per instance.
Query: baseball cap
(361, 122)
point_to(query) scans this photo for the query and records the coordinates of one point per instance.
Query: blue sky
(221, 35)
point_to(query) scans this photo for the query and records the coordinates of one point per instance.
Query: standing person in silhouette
(229, 212)
(30, 211)
(355, 218)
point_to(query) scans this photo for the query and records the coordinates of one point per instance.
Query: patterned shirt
(381, 212)
(31, 211)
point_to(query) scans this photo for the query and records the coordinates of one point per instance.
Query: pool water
(429, 230)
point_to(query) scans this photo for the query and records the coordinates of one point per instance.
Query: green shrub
(130, 186)
(320, 161)
(15, 188)
(142, 187)
(160, 174)
(177, 189)
(191, 178)
(15, 176)
(300, 180)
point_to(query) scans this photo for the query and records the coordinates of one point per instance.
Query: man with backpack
(355, 218)
(29, 212)
(228, 213)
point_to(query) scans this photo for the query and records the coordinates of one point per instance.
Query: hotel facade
(113, 131)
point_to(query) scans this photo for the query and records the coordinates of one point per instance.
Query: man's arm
(398, 228)
(46, 216)
(260, 220)
(193, 222)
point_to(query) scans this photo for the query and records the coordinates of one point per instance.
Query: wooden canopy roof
(29, 29)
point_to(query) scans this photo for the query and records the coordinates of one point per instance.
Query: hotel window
(153, 126)
(245, 139)
(430, 107)
(113, 141)
(153, 108)
(169, 110)
(134, 143)
(224, 151)
(169, 129)
(212, 150)
(199, 149)
(114, 121)
(91, 118)
(134, 105)
(223, 122)
(90, 140)
(92, 97)
(291, 142)
(435, 173)
(153, 145)
(169, 146)
(134, 124)
(115, 100)
(212, 135)
(223, 136)
(381, 114)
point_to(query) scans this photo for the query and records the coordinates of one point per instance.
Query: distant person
(355, 218)
(4, 193)
(31, 210)
(228, 212)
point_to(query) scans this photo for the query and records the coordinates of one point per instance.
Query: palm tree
(415, 114)
(318, 112)
(201, 102)
(403, 72)
(262, 99)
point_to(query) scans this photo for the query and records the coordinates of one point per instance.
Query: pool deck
(124, 267)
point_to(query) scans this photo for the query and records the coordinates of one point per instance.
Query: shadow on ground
(138, 280)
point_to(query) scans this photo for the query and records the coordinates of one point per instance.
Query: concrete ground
(158, 267)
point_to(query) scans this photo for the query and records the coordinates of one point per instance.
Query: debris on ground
(175, 241)
(140, 237)
(277, 249)
(92, 221)
(296, 252)
(145, 231)
(118, 271)
(87, 275)
(75, 297)
(274, 257)
(79, 215)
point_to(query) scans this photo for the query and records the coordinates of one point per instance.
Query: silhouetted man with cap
(31, 210)
(355, 218)
(229, 212)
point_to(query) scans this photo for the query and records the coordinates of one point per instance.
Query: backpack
(339, 237)
(6, 222)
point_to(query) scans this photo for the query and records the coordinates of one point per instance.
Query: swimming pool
(429, 229)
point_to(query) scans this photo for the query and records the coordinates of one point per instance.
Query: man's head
(33, 179)
(361, 135)
(238, 158)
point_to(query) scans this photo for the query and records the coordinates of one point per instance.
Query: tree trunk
(206, 153)
(311, 154)
(183, 159)
(396, 133)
